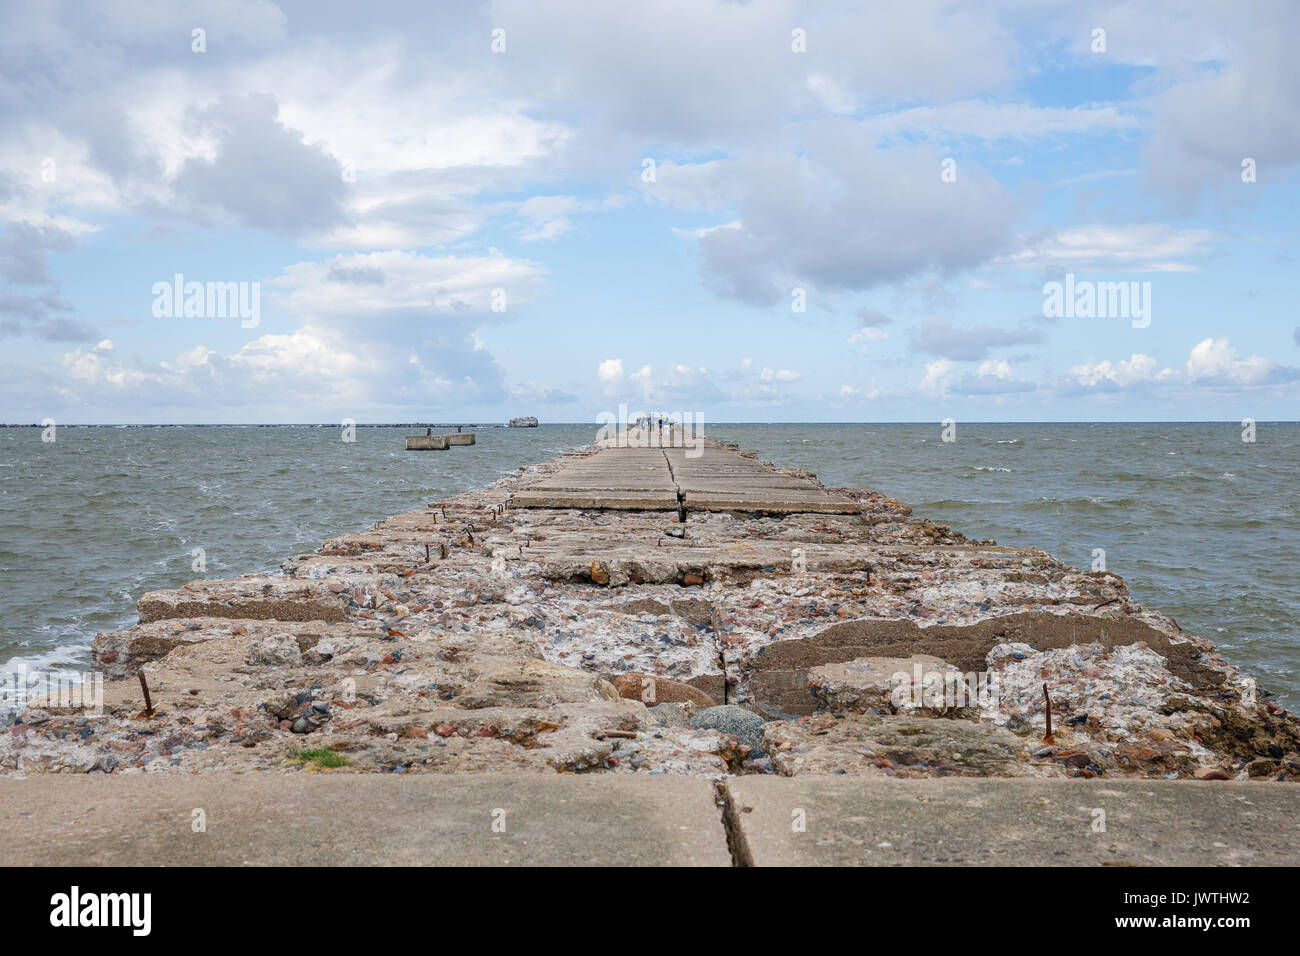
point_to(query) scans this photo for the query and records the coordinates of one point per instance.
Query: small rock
(746, 726)
(670, 715)
(274, 651)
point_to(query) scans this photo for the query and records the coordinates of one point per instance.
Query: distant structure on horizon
(526, 422)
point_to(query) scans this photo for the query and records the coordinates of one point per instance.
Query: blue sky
(440, 230)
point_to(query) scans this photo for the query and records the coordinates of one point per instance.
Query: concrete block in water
(426, 442)
(460, 438)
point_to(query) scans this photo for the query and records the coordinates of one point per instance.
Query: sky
(745, 211)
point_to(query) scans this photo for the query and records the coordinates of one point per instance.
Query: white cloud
(938, 336)
(375, 330)
(549, 217)
(995, 121)
(1136, 369)
(1210, 363)
(868, 333)
(805, 221)
(1215, 362)
(936, 379)
(1135, 248)
(850, 394)
(703, 231)
(355, 289)
(993, 377)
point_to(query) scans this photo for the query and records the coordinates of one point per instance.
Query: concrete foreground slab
(852, 821)
(274, 819)
(346, 819)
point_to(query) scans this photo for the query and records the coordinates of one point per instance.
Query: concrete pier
(460, 438)
(592, 642)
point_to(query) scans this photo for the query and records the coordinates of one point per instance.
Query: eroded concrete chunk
(900, 746)
(922, 685)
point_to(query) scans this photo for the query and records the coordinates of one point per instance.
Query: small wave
(1084, 503)
(990, 468)
(962, 502)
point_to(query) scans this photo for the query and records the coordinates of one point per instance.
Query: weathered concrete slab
(426, 442)
(252, 596)
(627, 501)
(873, 822)
(460, 438)
(331, 819)
(767, 502)
(629, 479)
(718, 479)
(721, 479)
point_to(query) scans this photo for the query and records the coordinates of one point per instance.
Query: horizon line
(432, 424)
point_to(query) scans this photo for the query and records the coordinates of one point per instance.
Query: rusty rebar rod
(148, 704)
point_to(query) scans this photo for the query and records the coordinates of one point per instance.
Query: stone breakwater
(642, 610)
